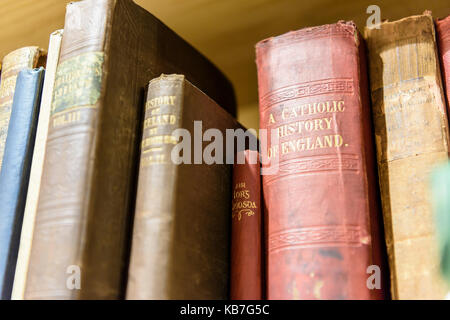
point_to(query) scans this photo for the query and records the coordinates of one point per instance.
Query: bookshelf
(224, 30)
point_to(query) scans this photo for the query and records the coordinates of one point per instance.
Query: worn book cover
(181, 243)
(411, 131)
(322, 214)
(247, 259)
(12, 64)
(36, 166)
(15, 170)
(109, 52)
(443, 37)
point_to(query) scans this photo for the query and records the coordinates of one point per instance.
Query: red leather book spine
(443, 35)
(322, 205)
(246, 239)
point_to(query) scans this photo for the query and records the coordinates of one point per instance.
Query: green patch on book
(78, 81)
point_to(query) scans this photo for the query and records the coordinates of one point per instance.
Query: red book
(443, 35)
(246, 238)
(322, 209)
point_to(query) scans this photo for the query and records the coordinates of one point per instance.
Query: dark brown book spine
(246, 278)
(67, 236)
(322, 211)
(181, 232)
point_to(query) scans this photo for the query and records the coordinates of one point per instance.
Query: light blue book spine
(15, 171)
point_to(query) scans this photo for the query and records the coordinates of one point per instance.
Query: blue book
(15, 171)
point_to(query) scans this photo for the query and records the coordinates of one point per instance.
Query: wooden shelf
(226, 31)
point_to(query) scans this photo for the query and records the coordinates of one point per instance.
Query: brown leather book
(180, 246)
(12, 64)
(321, 206)
(246, 274)
(411, 132)
(109, 52)
(443, 36)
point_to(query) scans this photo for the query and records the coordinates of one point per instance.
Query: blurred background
(226, 31)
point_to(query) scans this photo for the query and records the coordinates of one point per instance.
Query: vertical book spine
(16, 169)
(443, 35)
(69, 159)
(154, 222)
(246, 245)
(36, 167)
(321, 205)
(13, 63)
(411, 132)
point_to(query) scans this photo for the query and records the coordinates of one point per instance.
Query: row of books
(345, 144)
(93, 205)
(84, 175)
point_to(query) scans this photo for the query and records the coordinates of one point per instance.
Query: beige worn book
(36, 167)
(411, 131)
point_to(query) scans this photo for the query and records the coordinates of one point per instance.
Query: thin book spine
(157, 183)
(68, 172)
(246, 273)
(36, 166)
(443, 37)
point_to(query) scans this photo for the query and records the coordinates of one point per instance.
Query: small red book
(246, 237)
(443, 37)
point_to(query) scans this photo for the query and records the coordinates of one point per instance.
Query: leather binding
(109, 52)
(12, 64)
(15, 170)
(411, 131)
(36, 167)
(246, 271)
(443, 37)
(322, 216)
(180, 244)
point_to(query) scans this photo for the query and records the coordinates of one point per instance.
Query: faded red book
(322, 210)
(443, 36)
(246, 236)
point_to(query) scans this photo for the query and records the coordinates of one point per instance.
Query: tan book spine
(155, 204)
(12, 64)
(411, 131)
(64, 227)
(37, 164)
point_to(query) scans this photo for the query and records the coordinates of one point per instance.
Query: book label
(78, 82)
